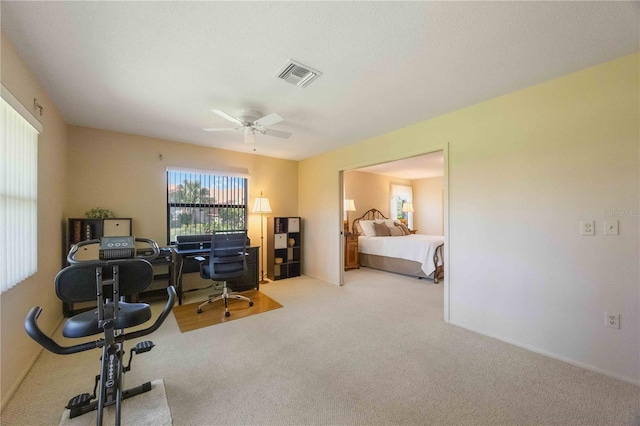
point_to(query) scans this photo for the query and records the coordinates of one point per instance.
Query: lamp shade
(349, 206)
(407, 207)
(261, 205)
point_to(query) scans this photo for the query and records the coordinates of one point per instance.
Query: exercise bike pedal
(143, 347)
(79, 401)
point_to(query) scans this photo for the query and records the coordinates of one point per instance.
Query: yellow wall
(523, 170)
(18, 350)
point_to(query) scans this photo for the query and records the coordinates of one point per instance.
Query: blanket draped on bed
(416, 247)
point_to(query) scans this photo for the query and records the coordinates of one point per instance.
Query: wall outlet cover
(587, 227)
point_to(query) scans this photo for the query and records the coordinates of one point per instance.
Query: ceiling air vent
(298, 74)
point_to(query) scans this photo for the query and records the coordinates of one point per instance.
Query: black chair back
(228, 258)
(77, 283)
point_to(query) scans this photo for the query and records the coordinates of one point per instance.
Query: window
(18, 192)
(400, 194)
(200, 202)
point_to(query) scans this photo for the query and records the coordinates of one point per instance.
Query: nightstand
(351, 260)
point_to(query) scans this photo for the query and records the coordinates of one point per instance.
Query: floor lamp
(262, 206)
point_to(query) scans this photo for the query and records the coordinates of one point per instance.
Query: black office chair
(228, 260)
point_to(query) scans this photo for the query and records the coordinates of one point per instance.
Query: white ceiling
(158, 68)
(419, 167)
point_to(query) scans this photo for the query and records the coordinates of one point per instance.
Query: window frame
(239, 189)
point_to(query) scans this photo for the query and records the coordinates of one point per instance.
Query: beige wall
(428, 203)
(126, 174)
(18, 350)
(522, 171)
(80, 168)
(369, 191)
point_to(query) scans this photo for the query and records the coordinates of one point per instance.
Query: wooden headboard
(370, 214)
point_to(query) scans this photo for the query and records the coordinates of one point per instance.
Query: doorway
(371, 186)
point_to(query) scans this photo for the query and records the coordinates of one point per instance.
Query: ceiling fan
(251, 122)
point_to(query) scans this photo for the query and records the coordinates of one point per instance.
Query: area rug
(189, 319)
(149, 408)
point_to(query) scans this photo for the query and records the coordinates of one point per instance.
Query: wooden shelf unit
(284, 247)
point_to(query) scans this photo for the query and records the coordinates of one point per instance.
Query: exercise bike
(120, 271)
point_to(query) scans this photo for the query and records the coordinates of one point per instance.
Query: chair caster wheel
(226, 314)
(250, 303)
(199, 310)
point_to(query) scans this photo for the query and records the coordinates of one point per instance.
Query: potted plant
(98, 213)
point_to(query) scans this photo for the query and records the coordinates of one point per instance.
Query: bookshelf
(284, 245)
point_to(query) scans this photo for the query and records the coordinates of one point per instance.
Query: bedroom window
(18, 192)
(398, 195)
(200, 202)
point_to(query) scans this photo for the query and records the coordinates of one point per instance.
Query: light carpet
(149, 408)
(375, 351)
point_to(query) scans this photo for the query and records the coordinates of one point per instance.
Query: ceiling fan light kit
(252, 122)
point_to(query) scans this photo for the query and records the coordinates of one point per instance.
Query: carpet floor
(375, 351)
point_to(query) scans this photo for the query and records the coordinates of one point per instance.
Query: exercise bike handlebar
(31, 326)
(71, 256)
(71, 259)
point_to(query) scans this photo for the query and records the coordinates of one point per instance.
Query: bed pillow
(382, 230)
(389, 222)
(358, 229)
(395, 231)
(404, 228)
(367, 228)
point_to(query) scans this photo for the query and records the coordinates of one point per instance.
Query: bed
(414, 254)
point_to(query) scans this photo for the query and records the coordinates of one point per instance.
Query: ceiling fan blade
(268, 120)
(277, 133)
(220, 129)
(228, 117)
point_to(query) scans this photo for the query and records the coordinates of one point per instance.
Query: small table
(351, 260)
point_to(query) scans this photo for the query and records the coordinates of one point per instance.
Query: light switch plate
(611, 227)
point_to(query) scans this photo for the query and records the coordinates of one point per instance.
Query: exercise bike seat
(78, 283)
(86, 323)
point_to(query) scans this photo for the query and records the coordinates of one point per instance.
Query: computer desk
(184, 263)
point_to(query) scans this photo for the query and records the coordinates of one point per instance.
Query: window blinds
(18, 197)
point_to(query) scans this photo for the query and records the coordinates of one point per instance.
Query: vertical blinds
(200, 202)
(18, 197)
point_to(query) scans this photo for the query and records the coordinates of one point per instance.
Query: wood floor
(189, 319)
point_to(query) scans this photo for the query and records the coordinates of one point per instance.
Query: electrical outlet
(611, 320)
(587, 227)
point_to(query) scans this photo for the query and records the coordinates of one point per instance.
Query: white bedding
(416, 247)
